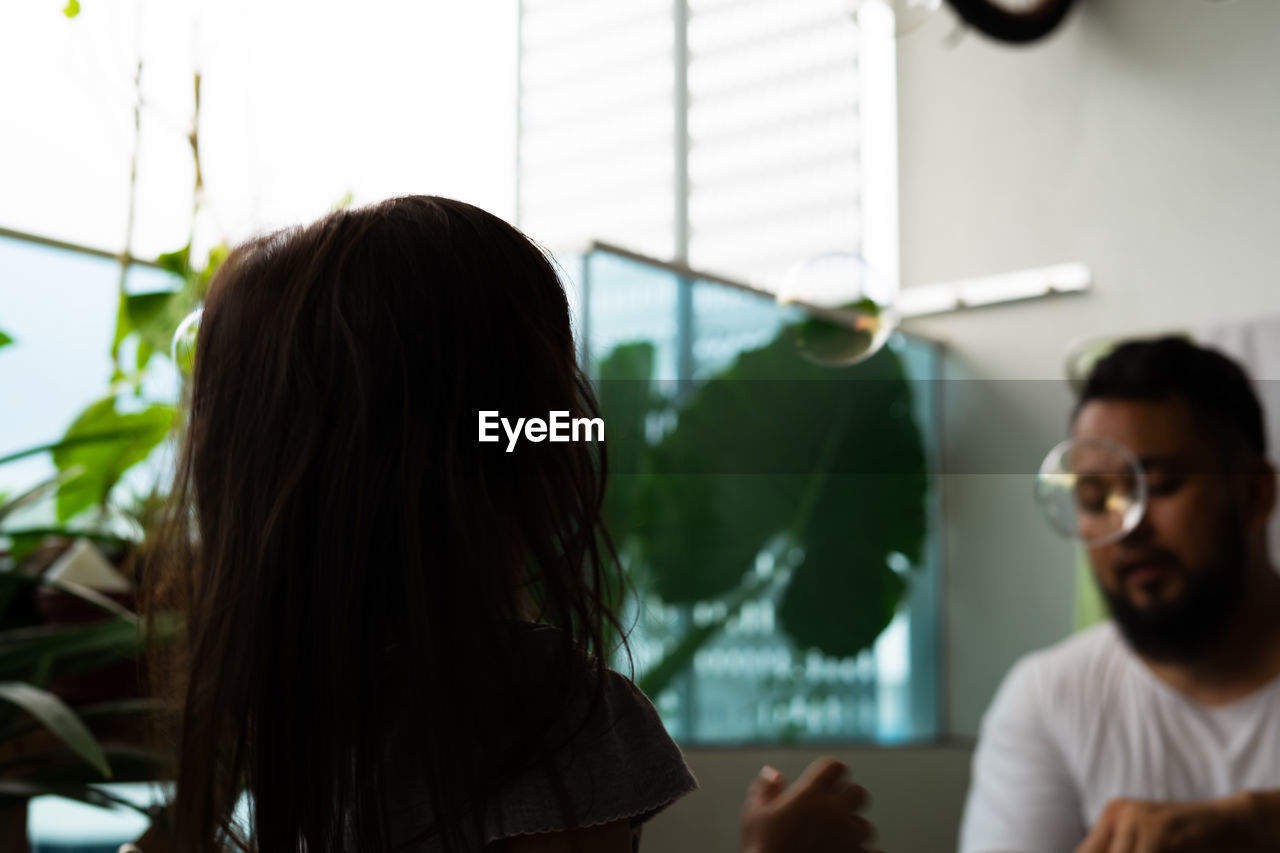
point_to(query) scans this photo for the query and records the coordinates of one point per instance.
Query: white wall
(1142, 139)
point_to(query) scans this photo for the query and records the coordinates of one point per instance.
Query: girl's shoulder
(613, 757)
(592, 747)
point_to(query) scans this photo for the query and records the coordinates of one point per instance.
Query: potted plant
(47, 746)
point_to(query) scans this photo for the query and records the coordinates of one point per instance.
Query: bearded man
(1159, 730)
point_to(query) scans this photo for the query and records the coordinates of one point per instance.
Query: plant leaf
(93, 597)
(145, 351)
(36, 493)
(200, 285)
(5, 340)
(147, 315)
(105, 463)
(830, 459)
(59, 766)
(625, 393)
(154, 317)
(178, 262)
(113, 708)
(22, 543)
(105, 437)
(23, 789)
(109, 539)
(58, 719)
(842, 596)
(68, 649)
(72, 8)
(144, 308)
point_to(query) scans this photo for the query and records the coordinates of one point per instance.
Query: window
(740, 136)
(60, 308)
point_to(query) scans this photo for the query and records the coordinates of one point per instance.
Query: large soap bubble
(183, 348)
(1092, 489)
(848, 308)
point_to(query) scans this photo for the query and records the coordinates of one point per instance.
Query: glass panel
(774, 599)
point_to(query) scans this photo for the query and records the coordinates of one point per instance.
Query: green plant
(775, 454)
(46, 747)
(145, 322)
(144, 328)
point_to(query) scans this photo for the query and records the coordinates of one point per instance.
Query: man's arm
(1022, 796)
(1246, 822)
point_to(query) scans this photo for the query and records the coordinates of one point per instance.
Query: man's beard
(1185, 629)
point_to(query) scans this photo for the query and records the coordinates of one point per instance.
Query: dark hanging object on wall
(1013, 21)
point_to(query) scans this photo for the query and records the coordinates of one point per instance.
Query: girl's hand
(818, 814)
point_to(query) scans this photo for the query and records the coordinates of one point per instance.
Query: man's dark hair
(1212, 385)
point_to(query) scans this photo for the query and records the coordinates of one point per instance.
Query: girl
(395, 635)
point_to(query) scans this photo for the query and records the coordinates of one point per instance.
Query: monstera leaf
(778, 449)
(624, 390)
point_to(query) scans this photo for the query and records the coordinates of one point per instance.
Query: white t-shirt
(1079, 724)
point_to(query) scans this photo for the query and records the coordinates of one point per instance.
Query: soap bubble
(847, 308)
(183, 348)
(892, 18)
(1092, 489)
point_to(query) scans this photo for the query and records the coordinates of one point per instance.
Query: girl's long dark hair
(356, 571)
